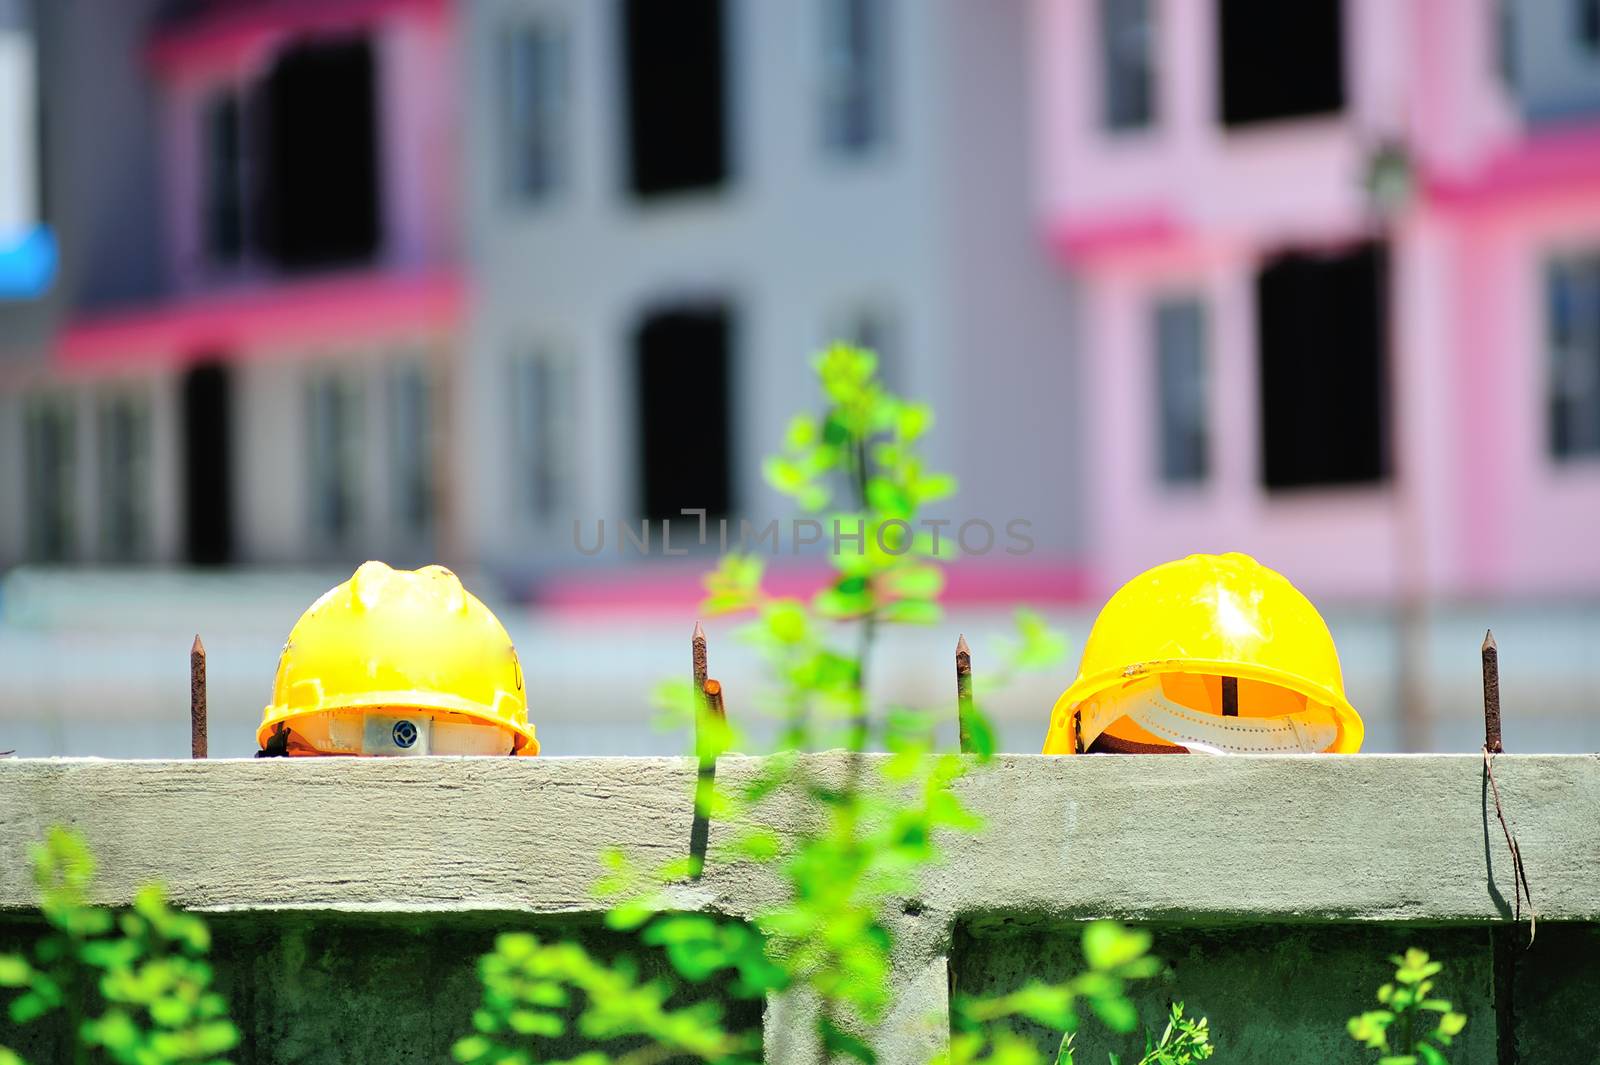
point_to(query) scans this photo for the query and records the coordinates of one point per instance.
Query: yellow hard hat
(1210, 653)
(393, 659)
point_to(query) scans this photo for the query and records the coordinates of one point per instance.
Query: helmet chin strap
(1203, 733)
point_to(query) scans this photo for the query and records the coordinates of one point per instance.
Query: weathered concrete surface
(1307, 838)
(1277, 885)
(1273, 993)
(374, 989)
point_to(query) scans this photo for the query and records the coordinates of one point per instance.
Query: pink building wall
(415, 52)
(1185, 206)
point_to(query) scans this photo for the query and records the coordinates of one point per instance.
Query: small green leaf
(14, 970)
(1107, 945)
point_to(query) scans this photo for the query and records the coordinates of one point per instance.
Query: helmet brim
(1062, 739)
(525, 743)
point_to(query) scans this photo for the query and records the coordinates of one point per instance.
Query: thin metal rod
(1491, 693)
(706, 776)
(1230, 696)
(697, 647)
(197, 699)
(964, 693)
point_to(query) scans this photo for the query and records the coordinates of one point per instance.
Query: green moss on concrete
(1277, 994)
(325, 989)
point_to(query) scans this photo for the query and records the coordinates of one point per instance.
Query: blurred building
(285, 284)
(423, 278)
(1340, 280)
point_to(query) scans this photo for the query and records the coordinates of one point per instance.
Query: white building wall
(794, 240)
(271, 524)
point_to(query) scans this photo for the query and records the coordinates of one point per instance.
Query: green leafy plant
(1413, 1026)
(1114, 956)
(1183, 1041)
(134, 984)
(866, 830)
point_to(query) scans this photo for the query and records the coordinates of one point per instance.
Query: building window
(1505, 42)
(1180, 346)
(50, 450)
(222, 144)
(534, 82)
(855, 43)
(1280, 60)
(1573, 294)
(123, 433)
(685, 417)
(1321, 335)
(544, 421)
(334, 425)
(1127, 46)
(413, 437)
(319, 179)
(208, 403)
(1586, 28)
(675, 97)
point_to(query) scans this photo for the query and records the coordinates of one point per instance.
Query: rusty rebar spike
(713, 693)
(697, 651)
(964, 693)
(197, 699)
(1491, 693)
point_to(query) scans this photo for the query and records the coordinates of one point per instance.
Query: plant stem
(869, 624)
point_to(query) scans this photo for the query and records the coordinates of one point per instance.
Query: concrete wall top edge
(1320, 838)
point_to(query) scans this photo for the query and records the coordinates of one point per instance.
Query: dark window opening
(319, 181)
(50, 448)
(1572, 296)
(124, 452)
(413, 439)
(683, 378)
(1127, 65)
(676, 103)
(533, 92)
(854, 81)
(207, 460)
(223, 148)
(335, 403)
(1181, 380)
(1322, 350)
(1280, 60)
(1505, 42)
(544, 410)
(1587, 28)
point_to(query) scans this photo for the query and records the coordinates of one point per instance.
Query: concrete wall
(350, 898)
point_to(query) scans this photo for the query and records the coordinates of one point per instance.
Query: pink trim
(658, 588)
(1544, 164)
(238, 324)
(234, 31)
(1144, 231)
